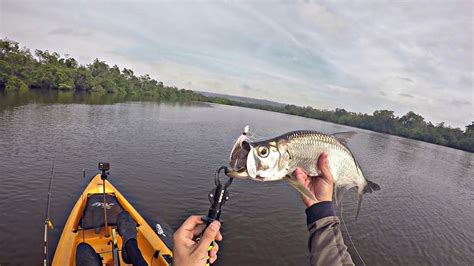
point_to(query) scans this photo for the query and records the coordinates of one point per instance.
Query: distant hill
(242, 99)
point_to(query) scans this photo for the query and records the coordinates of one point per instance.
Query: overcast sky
(396, 55)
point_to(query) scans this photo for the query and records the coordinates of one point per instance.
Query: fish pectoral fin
(300, 188)
(340, 190)
(344, 137)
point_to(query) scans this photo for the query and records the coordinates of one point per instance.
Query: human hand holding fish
(320, 186)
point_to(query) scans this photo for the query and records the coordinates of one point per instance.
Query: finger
(191, 223)
(198, 229)
(212, 259)
(323, 165)
(219, 236)
(186, 229)
(301, 176)
(209, 235)
(214, 250)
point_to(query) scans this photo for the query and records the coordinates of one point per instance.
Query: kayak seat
(86, 256)
(93, 216)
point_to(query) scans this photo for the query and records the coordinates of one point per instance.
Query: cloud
(70, 31)
(61, 31)
(405, 79)
(246, 87)
(401, 56)
(406, 95)
(322, 18)
(343, 91)
(460, 102)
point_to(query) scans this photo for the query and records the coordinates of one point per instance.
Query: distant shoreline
(332, 117)
(21, 71)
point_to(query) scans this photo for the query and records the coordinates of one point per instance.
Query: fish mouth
(241, 173)
(238, 161)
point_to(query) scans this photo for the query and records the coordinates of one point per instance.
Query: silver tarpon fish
(277, 158)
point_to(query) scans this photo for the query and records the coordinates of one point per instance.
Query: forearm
(326, 245)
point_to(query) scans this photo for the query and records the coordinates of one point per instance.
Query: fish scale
(306, 147)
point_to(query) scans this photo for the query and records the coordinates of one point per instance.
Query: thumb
(323, 165)
(209, 235)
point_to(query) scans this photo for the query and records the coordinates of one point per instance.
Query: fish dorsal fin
(344, 137)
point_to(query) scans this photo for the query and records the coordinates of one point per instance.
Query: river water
(163, 157)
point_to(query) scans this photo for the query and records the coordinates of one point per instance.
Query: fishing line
(253, 135)
(47, 221)
(82, 213)
(350, 238)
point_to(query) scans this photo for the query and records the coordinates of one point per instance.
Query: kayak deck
(79, 228)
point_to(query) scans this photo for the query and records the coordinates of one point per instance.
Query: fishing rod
(47, 222)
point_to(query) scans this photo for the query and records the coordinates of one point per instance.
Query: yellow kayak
(86, 224)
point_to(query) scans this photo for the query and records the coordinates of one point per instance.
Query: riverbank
(21, 72)
(444, 136)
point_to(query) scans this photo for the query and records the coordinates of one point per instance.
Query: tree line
(21, 71)
(410, 125)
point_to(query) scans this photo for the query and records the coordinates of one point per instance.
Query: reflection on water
(163, 157)
(8, 101)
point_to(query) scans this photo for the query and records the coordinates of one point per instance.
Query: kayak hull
(153, 249)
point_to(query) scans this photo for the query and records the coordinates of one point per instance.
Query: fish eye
(263, 151)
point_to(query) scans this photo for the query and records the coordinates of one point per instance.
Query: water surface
(163, 157)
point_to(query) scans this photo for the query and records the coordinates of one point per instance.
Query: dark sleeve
(326, 245)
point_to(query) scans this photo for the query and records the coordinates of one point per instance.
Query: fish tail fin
(300, 188)
(371, 187)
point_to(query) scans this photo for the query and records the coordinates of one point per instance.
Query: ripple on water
(163, 159)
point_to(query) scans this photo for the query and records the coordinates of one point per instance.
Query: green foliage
(410, 125)
(20, 70)
(15, 84)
